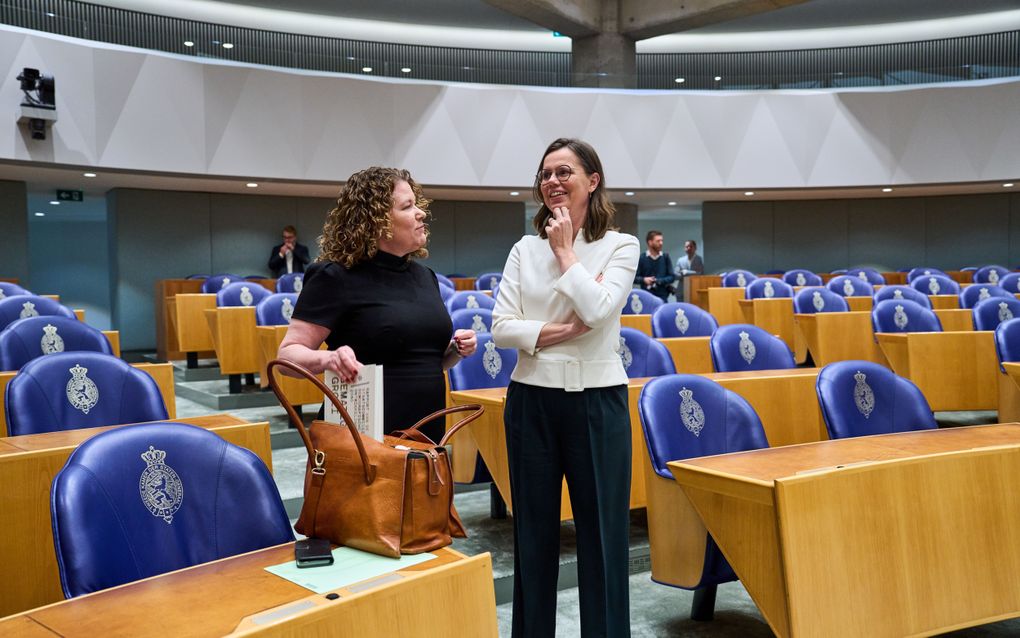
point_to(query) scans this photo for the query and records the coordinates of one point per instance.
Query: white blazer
(532, 293)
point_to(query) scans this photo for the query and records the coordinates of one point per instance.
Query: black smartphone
(313, 552)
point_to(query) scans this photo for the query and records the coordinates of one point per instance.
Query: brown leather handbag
(389, 498)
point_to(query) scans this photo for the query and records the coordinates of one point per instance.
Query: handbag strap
(413, 433)
(313, 454)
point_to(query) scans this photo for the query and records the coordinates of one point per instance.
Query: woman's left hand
(466, 342)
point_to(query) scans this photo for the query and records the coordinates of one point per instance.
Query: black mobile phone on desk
(313, 552)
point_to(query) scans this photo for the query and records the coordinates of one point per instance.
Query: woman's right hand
(343, 362)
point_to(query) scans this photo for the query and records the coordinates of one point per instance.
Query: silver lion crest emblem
(927, 272)
(682, 322)
(984, 294)
(864, 398)
(900, 318)
(635, 304)
(741, 279)
(848, 288)
(51, 342)
(491, 360)
(1005, 314)
(287, 309)
(298, 283)
(993, 276)
(933, 285)
(747, 349)
(477, 324)
(2, 295)
(769, 290)
(493, 282)
(28, 310)
(863, 276)
(246, 297)
(226, 282)
(897, 294)
(82, 392)
(625, 354)
(691, 413)
(801, 279)
(161, 489)
(472, 302)
(817, 301)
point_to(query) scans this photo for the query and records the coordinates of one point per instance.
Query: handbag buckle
(320, 459)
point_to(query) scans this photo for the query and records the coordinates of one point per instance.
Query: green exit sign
(70, 196)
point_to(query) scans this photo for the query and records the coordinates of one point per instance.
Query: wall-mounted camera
(39, 108)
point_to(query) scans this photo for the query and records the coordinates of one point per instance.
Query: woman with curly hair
(371, 303)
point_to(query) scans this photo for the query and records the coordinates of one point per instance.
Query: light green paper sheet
(349, 566)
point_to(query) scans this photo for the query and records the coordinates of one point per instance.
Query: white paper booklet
(363, 400)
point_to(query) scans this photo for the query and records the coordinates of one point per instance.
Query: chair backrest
(869, 275)
(446, 292)
(197, 276)
(768, 288)
(641, 302)
(291, 282)
(859, 398)
(444, 280)
(143, 500)
(902, 292)
(989, 313)
(241, 293)
(469, 299)
(838, 271)
(213, 283)
(1011, 282)
(848, 286)
(923, 271)
(24, 306)
(643, 356)
(801, 277)
(680, 319)
(903, 315)
(7, 289)
(741, 346)
(275, 309)
(1007, 341)
(989, 274)
(495, 290)
(935, 285)
(488, 367)
(477, 319)
(818, 299)
(968, 268)
(488, 280)
(737, 279)
(34, 337)
(72, 390)
(972, 294)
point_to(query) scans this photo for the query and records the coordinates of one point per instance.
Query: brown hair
(361, 217)
(600, 209)
(290, 229)
(652, 234)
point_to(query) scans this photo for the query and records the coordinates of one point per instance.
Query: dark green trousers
(585, 436)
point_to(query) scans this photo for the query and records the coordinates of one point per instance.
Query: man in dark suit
(290, 256)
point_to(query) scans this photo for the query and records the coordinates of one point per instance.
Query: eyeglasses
(562, 174)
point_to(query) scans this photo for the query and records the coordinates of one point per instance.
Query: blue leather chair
(902, 292)
(446, 292)
(275, 309)
(768, 288)
(1011, 282)
(903, 315)
(869, 275)
(24, 306)
(818, 299)
(495, 290)
(860, 398)
(291, 282)
(680, 319)
(213, 283)
(143, 500)
(641, 302)
(477, 319)
(847, 286)
(838, 271)
(469, 299)
(72, 390)
(241, 293)
(988, 313)
(643, 356)
(34, 337)
(801, 277)
(972, 294)
(1007, 341)
(924, 271)
(197, 276)
(488, 280)
(935, 285)
(968, 269)
(7, 289)
(712, 420)
(740, 347)
(444, 280)
(737, 279)
(989, 274)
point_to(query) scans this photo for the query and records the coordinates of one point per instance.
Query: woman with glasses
(566, 408)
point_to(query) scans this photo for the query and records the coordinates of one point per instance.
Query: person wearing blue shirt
(655, 270)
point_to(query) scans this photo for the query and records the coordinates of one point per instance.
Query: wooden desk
(637, 322)
(775, 316)
(860, 304)
(839, 336)
(893, 535)
(162, 374)
(463, 283)
(944, 302)
(1009, 392)
(233, 336)
(723, 304)
(696, 287)
(28, 572)
(691, 355)
(451, 595)
(298, 391)
(961, 276)
(186, 320)
(956, 319)
(954, 370)
(895, 278)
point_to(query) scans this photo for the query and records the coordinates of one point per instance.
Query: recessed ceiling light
(252, 185)
(886, 190)
(629, 193)
(189, 43)
(1008, 185)
(350, 57)
(227, 45)
(55, 203)
(366, 69)
(88, 174)
(215, 41)
(406, 69)
(718, 77)
(466, 68)
(749, 193)
(671, 203)
(679, 80)
(40, 214)
(50, 14)
(514, 193)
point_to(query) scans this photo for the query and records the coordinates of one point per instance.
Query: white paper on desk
(363, 400)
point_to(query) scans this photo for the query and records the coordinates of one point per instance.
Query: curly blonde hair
(361, 217)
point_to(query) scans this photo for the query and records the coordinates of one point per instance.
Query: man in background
(290, 256)
(689, 264)
(655, 269)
